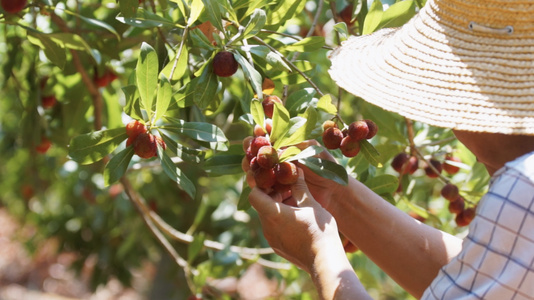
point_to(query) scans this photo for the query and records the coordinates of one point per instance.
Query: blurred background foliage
(54, 59)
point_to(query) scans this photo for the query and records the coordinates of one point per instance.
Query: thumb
(301, 192)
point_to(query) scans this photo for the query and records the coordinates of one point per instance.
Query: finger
(301, 193)
(264, 203)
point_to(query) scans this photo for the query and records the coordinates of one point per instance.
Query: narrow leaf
(280, 124)
(373, 18)
(309, 44)
(164, 97)
(256, 23)
(214, 13)
(326, 169)
(303, 132)
(128, 7)
(199, 131)
(398, 14)
(195, 247)
(325, 104)
(371, 154)
(206, 88)
(251, 74)
(147, 76)
(256, 109)
(53, 51)
(383, 184)
(195, 10)
(308, 152)
(224, 165)
(243, 203)
(92, 147)
(175, 173)
(117, 165)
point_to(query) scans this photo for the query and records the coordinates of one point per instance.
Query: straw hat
(462, 64)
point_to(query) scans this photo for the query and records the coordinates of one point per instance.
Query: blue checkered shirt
(497, 257)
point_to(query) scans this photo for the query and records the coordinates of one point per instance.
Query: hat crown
(490, 14)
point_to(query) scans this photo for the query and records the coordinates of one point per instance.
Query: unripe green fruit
(268, 105)
(450, 192)
(332, 138)
(267, 157)
(286, 173)
(224, 64)
(358, 130)
(349, 147)
(145, 145)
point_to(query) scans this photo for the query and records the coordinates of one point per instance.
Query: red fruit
(246, 142)
(405, 164)
(283, 189)
(145, 145)
(245, 164)
(265, 178)
(269, 125)
(48, 101)
(332, 138)
(44, 145)
(259, 131)
(349, 147)
(457, 206)
(224, 64)
(431, 173)
(267, 157)
(13, 6)
(160, 142)
(286, 173)
(358, 130)
(451, 169)
(465, 217)
(450, 192)
(268, 104)
(257, 143)
(373, 129)
(327, 124)
(254, 166)
(105, 79)
(346, 14)
(135, 128)
(130, 141)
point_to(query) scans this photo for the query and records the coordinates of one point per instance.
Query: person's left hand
(297, 228)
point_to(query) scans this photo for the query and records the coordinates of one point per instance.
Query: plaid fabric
(497, 258)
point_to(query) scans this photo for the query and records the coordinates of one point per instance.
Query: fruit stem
(290, 64)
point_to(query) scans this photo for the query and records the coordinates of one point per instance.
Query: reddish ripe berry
(134, 128)
(431, 173)
(269, 125)
(346, 14)
(105, 79)
(44, 145)
(160, 142)
(328, 123)
(48, 101)
(349, 147)
(265, 178)
(145, 145)
(468, 215)
(457, 206)
(224, 64)
(332, 138)
(449, 168)
(257, 143)
(373, 129)
(283, 189)
(450, 192)
(268, 104)
(13, 6)
(358, 130)
(267, 157)
(286, 173)
(258, 131)
(130, 141)
(405, 164)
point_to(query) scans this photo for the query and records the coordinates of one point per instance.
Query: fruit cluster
(145, 143)
(464, 215)
(348, 140)
(406, 164)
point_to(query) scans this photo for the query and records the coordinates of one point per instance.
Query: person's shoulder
(523, 165)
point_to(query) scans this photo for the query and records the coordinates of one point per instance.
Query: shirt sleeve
(497, 258)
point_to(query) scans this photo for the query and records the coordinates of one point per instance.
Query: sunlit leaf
(199, 131)
(117, 165)
(176, 174)
(327, 169)
(92, 147)
(372, 156)
(255, 24)
(325, 104)
(308, 44)
(147, 76)
(373, 18)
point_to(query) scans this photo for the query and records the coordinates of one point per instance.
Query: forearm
(392, 239)
(334, 276)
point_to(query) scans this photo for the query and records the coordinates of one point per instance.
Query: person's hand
(298, 231)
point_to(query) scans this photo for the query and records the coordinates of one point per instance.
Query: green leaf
(164, 97)
(128, 7)
(132, 107)
(325, 104)
(195, 247)
(117, 165)
(243, 203)
(342, 29)
(280, 124)
(92, 147)
(200, 40)
(416, 208)
(294, 153)
(53, 51)
(370, 153)
(300, 100)
(214, 13)
(74, 42)
(284, 11)
(326, 169)
(181, 65)
(251, 74)
(373, 18)
(206, 88)
(98, 23)
(256, 110)
(309, 44)
(383, 184)
(224, 165)
(302, 133)
(199, 131)
(175, 173)
(397, 14)
(146, 19)
(255, 24)
(147, 76)
(195, 10)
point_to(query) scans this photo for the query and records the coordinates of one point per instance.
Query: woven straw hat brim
(437, 70)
